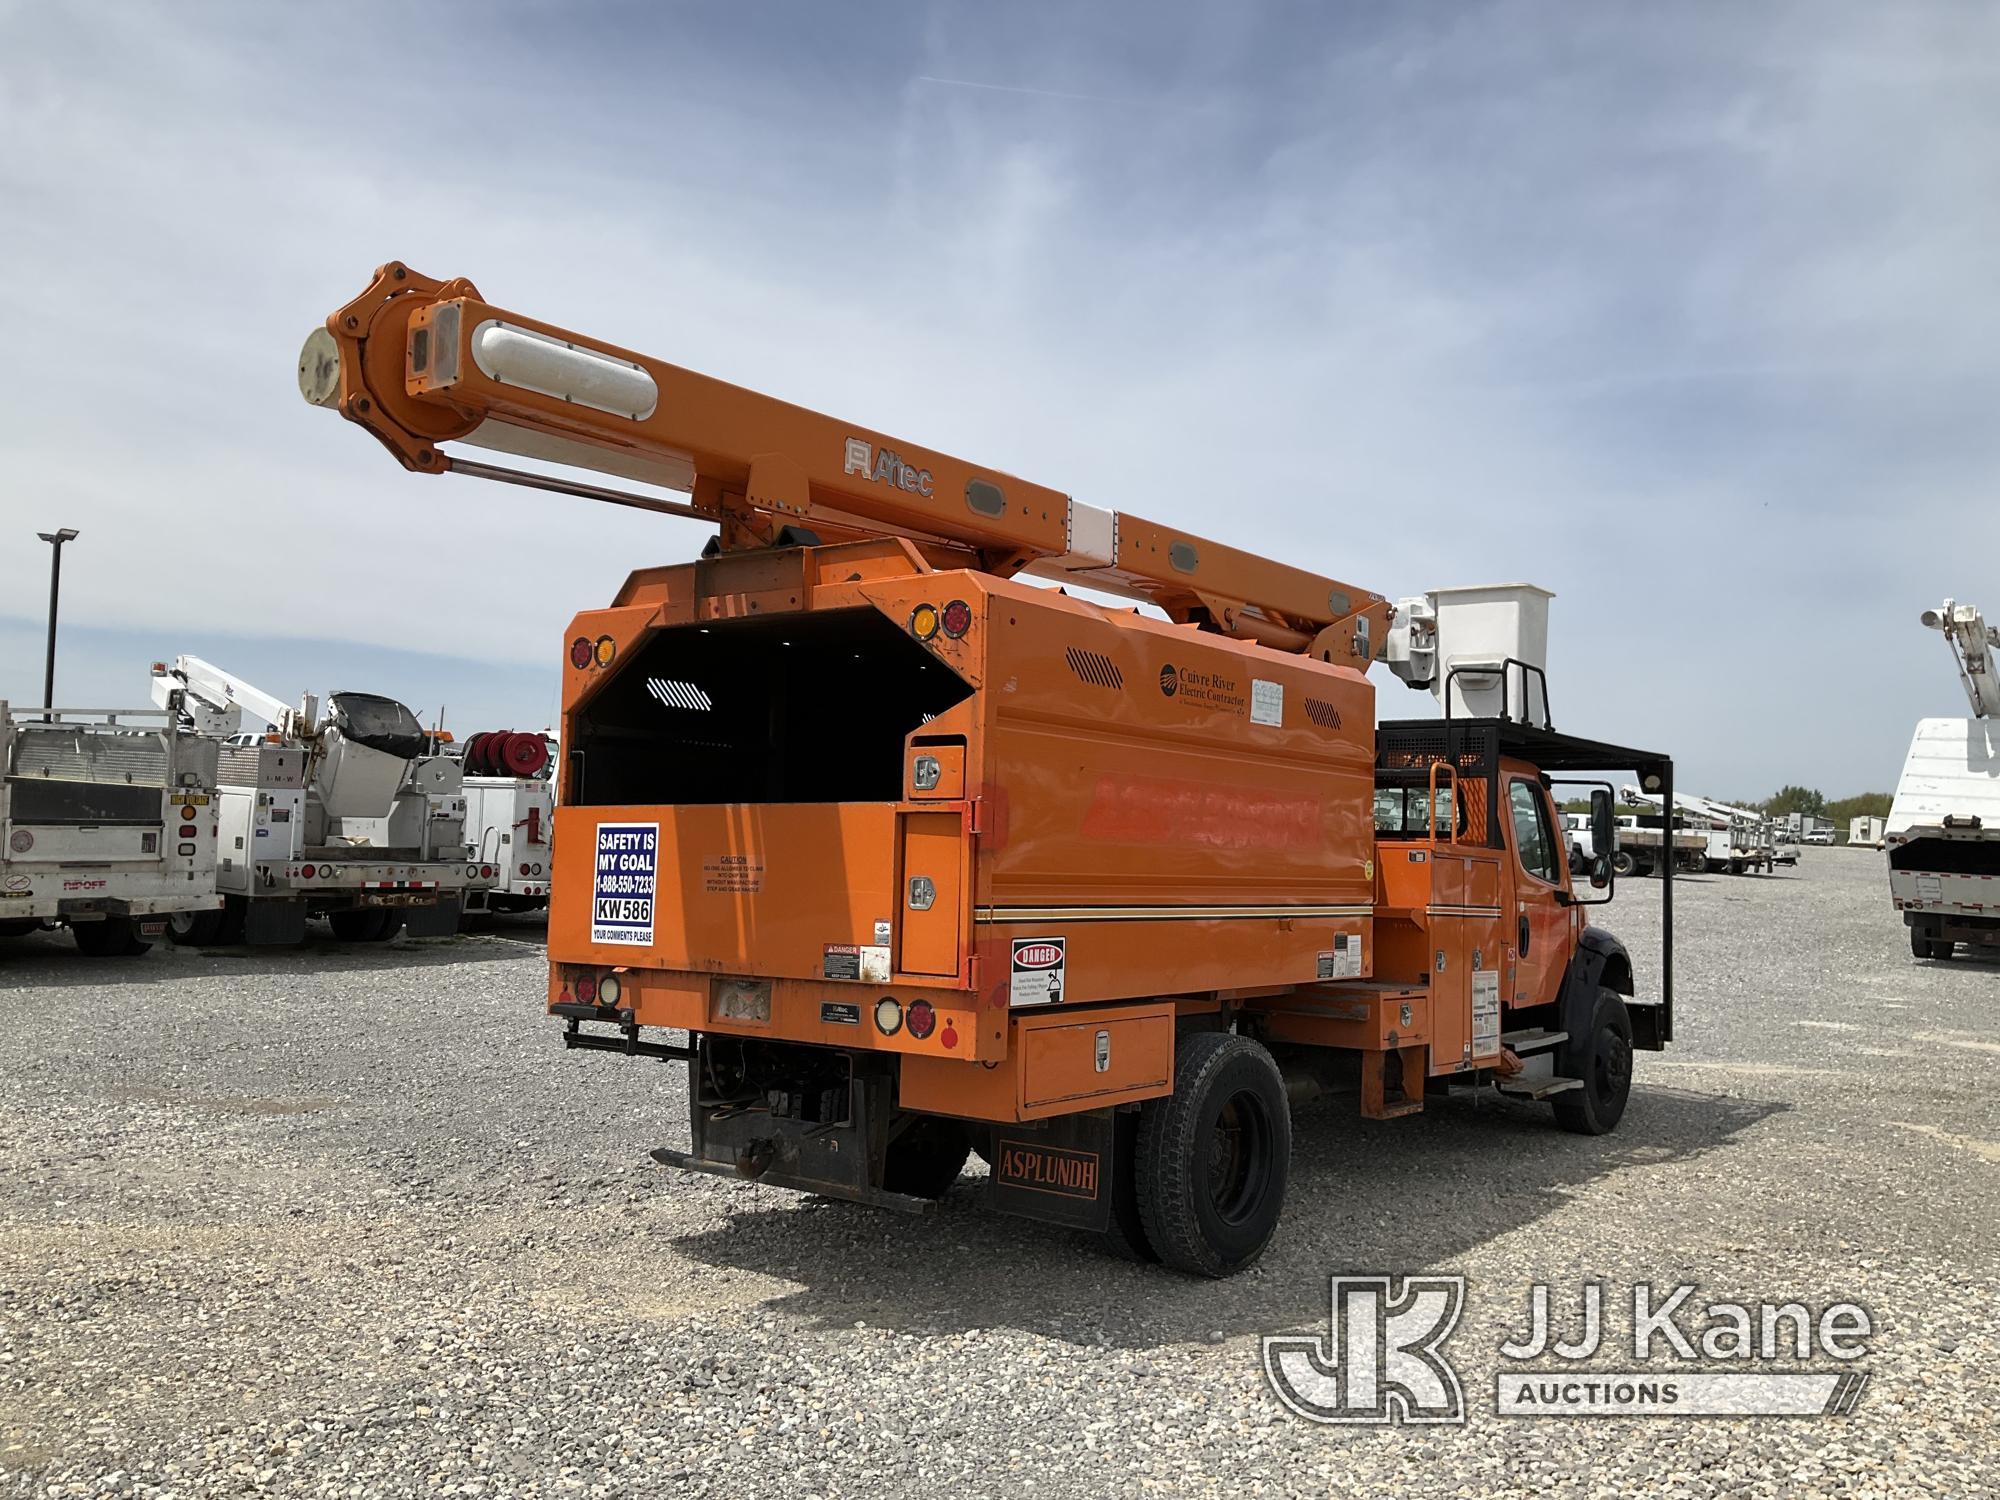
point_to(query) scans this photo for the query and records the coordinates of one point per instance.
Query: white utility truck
(510, 811)
(107, 826)
(352, 816)
(1943, 830)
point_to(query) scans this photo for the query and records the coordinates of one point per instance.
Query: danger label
(625, 883)
(1037, 971)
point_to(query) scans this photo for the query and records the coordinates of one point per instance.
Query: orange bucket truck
(907, 857)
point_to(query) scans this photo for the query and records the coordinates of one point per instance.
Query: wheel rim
(1611, 1070)
(1239, 1157)
(180, 923)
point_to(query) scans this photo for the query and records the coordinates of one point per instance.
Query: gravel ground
(350, 1222)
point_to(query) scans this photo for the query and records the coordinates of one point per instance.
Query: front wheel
(1603, 1060)
(1212, 1157)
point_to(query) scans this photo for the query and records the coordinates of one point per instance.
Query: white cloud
(1681, 313)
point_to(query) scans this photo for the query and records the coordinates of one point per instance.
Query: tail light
(305, 872)
(188, 830)
(586, 989)
(524, 869)
(921, 1018)
(956, 618)
(486, 872)
(581, 652)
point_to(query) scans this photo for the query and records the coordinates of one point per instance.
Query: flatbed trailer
(905, 856)
(107, 824)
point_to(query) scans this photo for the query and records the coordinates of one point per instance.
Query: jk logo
(1380, 1361)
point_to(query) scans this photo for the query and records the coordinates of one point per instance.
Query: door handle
(1524, 937)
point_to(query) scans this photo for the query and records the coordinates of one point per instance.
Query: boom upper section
(421, 363)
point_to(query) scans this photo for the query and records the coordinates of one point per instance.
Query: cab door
(1543, 919)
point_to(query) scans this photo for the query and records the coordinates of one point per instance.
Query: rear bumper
(107, 898)
(823, 1013)
(383, 884)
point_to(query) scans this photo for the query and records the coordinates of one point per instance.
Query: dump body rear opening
(794, 708)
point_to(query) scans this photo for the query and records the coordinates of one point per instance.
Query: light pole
(55, 539)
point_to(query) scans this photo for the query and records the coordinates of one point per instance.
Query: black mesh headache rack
(1406, 749)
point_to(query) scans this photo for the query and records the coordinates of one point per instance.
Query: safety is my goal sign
(625, 884)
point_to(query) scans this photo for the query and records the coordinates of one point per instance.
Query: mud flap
(267, 923)
(440, 919)
(1059, 1171)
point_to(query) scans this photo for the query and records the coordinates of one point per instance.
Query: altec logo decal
(884, 467)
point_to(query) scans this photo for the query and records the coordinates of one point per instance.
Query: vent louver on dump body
(677, 694)
(1322, 713)
(1097, 670)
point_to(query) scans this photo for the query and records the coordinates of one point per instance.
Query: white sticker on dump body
(1036, 975)
(1267, 701)
(1486, 1013)
(625, 883)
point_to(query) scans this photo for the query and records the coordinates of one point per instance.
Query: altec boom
(924, 858)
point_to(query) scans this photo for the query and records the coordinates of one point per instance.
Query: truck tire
(1212, 1157)
(927, 1158)
(110, 937)
(1622, 863)
(12, 927)
(1125, 1235)
(1603, 1060)
(195, 929)
(365, 924)
(1923, 945)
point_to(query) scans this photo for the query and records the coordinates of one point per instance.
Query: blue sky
(1688, 313)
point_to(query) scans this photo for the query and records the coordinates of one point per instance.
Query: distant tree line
(1797, 799)
(1812, 802)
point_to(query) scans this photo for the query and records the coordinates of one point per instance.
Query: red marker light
(920, 1018)
(957, 618)
(950, 1037)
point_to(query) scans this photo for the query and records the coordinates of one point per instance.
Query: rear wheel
(1125, 1235)
(195, 929)
(927, 1158)
(1603, 1060)
(1212, 1157)
(366, 924)
(1923, 945)
(110, 937)
(1622, 863)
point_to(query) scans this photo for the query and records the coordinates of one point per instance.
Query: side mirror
(1600, 872)
(1603, 825)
